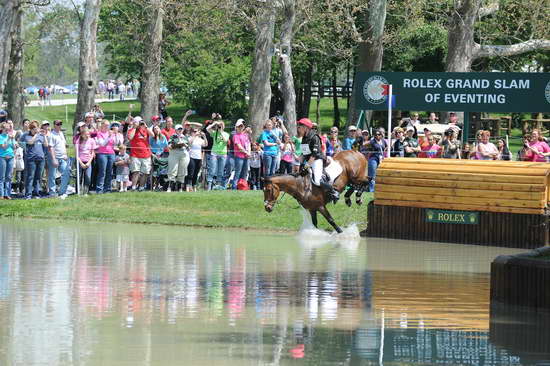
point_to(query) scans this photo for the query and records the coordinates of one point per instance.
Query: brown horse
(313, 198)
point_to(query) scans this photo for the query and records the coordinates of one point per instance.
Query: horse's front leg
(323, 210)
(358, 194)
(313, 214)
(348, 194)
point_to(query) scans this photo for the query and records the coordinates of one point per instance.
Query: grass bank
(218, 209)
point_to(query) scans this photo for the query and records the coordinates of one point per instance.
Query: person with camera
(36, 147)
(8, 145)
(59, 160)
(218, 154)
(241, 146)
(271, 144)
(313, 158)
(450, 145)
(535, 148)
(178, 160)
(140, 152)
(197, 142)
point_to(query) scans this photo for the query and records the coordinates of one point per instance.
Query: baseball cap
(138, 119)
(90, 114)
(306, 122)
(240, 122)
(114, 124)
(3, 112)
(352, 128)
(80, 124)
(179, 127)
(155, 118)
(410, 128)
(44, 123)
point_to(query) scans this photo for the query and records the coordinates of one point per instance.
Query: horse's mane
(294, 175)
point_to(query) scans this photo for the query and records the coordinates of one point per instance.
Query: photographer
(178, 160)
(218, 154)
(450, 145)
(535, 149)
(36, 147)
(271, 145)
(197, 141)
(140, 153)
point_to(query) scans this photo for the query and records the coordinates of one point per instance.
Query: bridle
(272, 203)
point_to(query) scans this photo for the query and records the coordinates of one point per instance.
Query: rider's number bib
(305, 149)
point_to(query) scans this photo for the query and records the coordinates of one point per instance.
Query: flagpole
(390, 93)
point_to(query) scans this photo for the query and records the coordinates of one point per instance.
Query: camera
(449, 132)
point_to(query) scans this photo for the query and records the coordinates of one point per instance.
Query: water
(119, 294)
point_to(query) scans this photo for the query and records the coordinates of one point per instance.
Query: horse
(312, 198)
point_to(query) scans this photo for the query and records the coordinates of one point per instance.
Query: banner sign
(452, 217)
(455, 91)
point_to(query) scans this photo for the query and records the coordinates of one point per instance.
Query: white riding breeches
(317, 171)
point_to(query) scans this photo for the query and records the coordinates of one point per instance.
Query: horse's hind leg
(348, 194)
(313, 214)
(362, 188)
(323, 210)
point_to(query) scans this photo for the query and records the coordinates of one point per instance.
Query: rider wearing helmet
(313, 157)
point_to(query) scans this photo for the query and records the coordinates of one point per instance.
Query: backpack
(242, 185)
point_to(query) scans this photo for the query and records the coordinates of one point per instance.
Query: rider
(313, 157)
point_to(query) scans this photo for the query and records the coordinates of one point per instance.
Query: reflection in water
(79, 294)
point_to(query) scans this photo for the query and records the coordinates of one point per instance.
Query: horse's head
(271, 193)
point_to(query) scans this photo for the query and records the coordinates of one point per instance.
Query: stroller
(160, 173)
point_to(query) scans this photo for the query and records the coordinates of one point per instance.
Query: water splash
(311, 237)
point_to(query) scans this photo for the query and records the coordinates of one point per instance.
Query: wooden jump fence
(461, 201)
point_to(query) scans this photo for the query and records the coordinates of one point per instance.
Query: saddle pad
(333, 170)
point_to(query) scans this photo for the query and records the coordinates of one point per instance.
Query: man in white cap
(58, 161)
(350, 138)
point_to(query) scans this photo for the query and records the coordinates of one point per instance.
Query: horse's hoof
(348, 203)
(359, 202)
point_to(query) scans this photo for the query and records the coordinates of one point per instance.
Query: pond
(120, 294)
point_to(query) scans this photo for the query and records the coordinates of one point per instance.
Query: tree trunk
(370, 51)
(287, 79)
(14, 84)
(336, 108)
(8, 10)
(150, 86)
(88, 70)
(260, 88)
(460, 52)
(308, 83)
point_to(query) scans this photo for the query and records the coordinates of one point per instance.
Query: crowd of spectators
(157, 155)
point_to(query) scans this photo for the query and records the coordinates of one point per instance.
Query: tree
(286, 79)
(150, 85)
(88, 70)
(15, 74)
(463, 49)
(260, 79)
(8, 11)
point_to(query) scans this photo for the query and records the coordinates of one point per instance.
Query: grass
(217, 209)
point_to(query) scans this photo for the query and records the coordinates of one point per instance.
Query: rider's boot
(332, 193)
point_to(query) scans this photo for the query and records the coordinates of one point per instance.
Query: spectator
(241, 144)
(111, 89)
(410, 144)
(432, 119)
(197, 142)
(279, 130)
(474, 154)
(425, 140)
(168, 129)
(106, 140)
(398, 148)
(85, 148)
(467, 151)
(536, 149)
(178, 160)
(7, 157)
(158, 142)
(216, 164)
(450, 145)
(58, 151)
(122, 163)
(255, 165)
(140, 153)
(36, 146)
(350, 139)
(503, 150)
(97, 112)
(271, 149)
(485, 149)
(121, 91)
(376, 148)
(431, 149)
(162, 105)
(287, 157)
(334, 146)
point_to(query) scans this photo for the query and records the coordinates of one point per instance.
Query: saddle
(332, 170)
